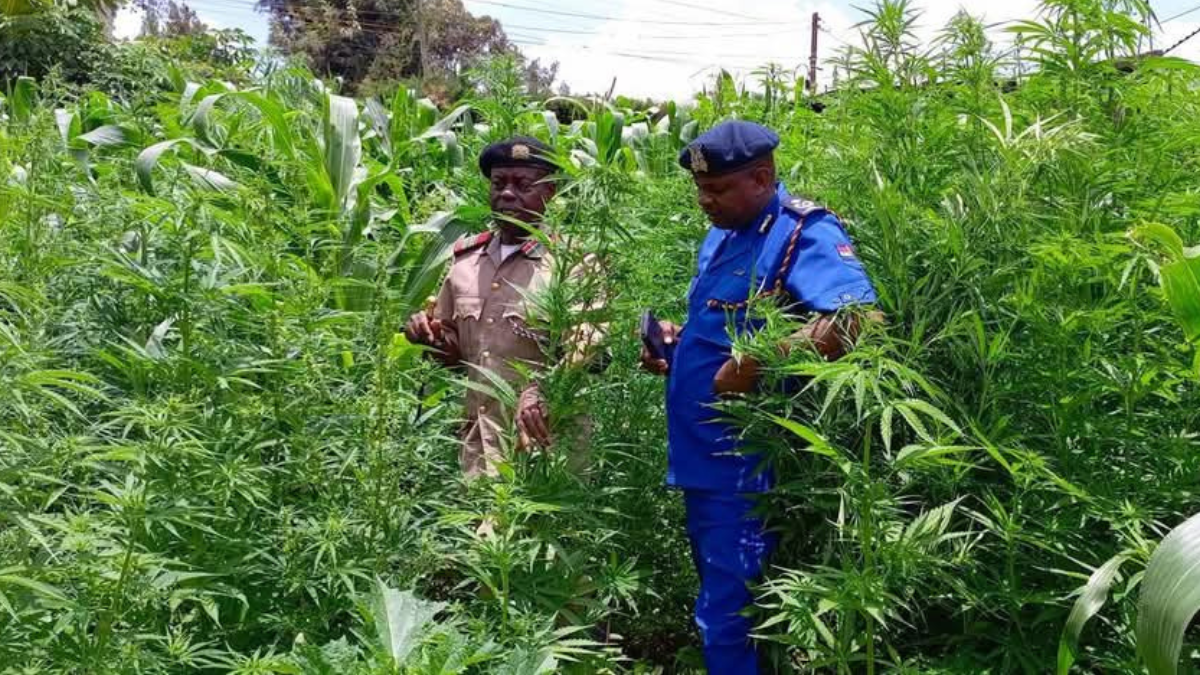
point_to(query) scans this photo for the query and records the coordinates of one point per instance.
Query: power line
(537, 41)
(659, 58)
(826, 31)
(662, 52)
(237, 4)
(642, 36)
(530, 39)
(1187, 37)
(1180, 15)
(649, 55)
(516, 28)
(601, 17)
(689, 5)
(567, 31)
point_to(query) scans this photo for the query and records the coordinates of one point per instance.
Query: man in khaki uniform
(479, 319)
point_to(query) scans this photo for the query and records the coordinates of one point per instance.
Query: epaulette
(471, 243)
(531, 247)
(803, 207)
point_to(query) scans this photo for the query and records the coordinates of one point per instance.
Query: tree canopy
(372, 42)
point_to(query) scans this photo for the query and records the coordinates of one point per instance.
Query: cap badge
(699, 164)
(520, 152)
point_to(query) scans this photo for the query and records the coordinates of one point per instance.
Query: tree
(71, 40)
(170, 19)
(378, 41)
(539, 79)
(103, 9)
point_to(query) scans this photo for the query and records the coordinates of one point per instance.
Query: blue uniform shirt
(734, 265)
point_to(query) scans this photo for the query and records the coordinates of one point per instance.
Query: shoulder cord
(521, 331)
(778, 288)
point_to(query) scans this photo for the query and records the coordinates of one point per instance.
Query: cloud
(667, 60)
(649, 58)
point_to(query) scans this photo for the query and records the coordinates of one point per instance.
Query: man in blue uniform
(763, 244)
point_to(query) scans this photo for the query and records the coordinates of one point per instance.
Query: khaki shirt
(483, 312)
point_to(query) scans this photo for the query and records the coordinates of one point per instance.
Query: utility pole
(1150, 28)
(812, 58)
(422, 39)
(1020, 65)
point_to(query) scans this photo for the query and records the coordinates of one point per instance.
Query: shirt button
(495, 285)
(491, 320)
(486, 354)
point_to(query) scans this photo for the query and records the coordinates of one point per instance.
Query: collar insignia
(520, 152)
(699, 163)
(766, 225)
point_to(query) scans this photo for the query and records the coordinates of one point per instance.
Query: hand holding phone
(658, 343)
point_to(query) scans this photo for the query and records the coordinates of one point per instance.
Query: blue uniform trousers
(730, 548)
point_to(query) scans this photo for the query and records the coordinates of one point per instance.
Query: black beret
(728, 147)
(516, 151)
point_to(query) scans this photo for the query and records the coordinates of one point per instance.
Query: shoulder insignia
(471, 243)
(531, 248)
(803, 207)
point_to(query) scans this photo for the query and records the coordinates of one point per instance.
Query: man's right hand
(660, 366)
(423, 329)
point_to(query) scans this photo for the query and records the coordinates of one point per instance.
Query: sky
(671, 48)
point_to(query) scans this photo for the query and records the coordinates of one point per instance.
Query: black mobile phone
(652, 335)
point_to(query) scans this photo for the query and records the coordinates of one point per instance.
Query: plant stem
(868, 544)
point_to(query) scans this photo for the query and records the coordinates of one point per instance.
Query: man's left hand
(736, 376)
(533, 419)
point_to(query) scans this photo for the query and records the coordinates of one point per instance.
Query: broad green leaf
(1091, 598)
(148, 159)
(276, 117)
(379, 120)
(1170, 597)
(21, 7)
(208, 179)
(400, 618)
(23, 99)
(67, 123)
(689, 131)
(189, 94)
(1181, 284)
(107, 135)
(201, 119)
(551, 121)
(446, 123)
(342, 148)
(1164, 236)
(637, 132)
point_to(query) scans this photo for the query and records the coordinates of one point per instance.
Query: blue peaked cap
(728, 147)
